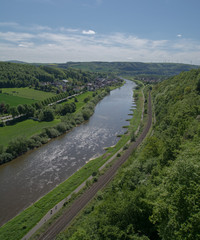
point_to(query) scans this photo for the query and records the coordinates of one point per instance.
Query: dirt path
(64, 221)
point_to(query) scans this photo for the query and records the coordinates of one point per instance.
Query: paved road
(64, 221)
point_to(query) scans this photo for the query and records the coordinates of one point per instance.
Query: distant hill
(15, 61)
(132, 68)
(23, 75)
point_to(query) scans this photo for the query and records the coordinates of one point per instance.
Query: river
(29, 177)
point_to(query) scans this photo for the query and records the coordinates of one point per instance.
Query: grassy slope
(28, 93)
(26, 128)
(20, 225)
(14, 100)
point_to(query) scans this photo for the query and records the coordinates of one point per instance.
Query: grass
(80, 99)
(29, 128)
(26, 128)
(28, 93)
(14, 100)
(17, 227)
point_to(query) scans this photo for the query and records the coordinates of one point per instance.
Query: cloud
(44, 44)
(179, 35)
(71, 30)
(15, 37)
(9, 24)
(89, 32)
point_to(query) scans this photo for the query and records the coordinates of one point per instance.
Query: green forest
(161, 70)
(23, 75)
(156, 193)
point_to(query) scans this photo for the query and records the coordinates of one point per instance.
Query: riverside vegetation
(37, 118)
(156, 194)
(67, 118)
(27, 219)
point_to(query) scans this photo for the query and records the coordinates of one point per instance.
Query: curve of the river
(29, 177)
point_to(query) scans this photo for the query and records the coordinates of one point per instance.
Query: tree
(21, 109)
(14, 112)
(48, 115)
(29, 110)
(17, 146)
(198, 86)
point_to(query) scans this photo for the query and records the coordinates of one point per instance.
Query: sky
(59, 31)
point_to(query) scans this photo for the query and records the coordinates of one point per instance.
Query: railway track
(65, 220)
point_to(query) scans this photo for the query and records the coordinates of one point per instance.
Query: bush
(17, 146)
(61, 127)
(86, 114)
(48, 115)
(5, 157)
(79, 118)
(132, 135)
(52, 132)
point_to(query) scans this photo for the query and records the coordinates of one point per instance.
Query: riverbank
(30, 134)
(74, 209)
(28, 220)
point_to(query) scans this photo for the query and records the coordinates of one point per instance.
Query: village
(64, 85)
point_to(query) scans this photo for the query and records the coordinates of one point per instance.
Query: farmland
(26, 129)
(28, 93)
(14, 100)
(29, 127)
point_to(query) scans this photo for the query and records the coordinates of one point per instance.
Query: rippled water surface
(32, 175)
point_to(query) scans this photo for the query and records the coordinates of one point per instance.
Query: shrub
(61, 127)
(48, 115)
(17, 146)
(52, 132)
(132, 135)
(79, 118)
(5, 157)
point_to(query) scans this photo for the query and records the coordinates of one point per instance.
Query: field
(80, 99)
(28, 93)
(26, 128)
(14, 100)
(29, 127)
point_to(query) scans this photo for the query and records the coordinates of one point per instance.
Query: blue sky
(100, 30)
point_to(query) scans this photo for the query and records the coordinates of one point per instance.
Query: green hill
(23, 75)
(156, 195)
(131, 68)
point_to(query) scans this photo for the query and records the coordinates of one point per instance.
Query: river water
(29, 177)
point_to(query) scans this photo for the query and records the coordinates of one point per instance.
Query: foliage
(156, 193)
(140, 69)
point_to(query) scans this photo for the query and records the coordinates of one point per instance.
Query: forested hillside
(23, 75)
(156, 194)
(162, 70)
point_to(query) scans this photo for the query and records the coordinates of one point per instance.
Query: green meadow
(14, 100)
(28, 93)
(26, 128)
(80, 99)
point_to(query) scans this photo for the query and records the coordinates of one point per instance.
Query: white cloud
(45, 44)
(9, 24)
(71, 30)
(15, 37)
(179, 35)
(89, 32)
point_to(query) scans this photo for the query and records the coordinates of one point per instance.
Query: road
(64, 221)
